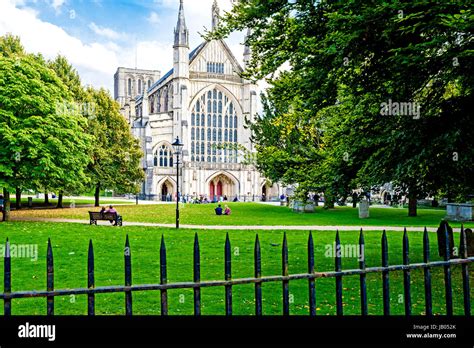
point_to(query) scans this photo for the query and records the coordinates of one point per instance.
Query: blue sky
(98, 36)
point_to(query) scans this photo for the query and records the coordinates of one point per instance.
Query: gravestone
(300, 207)
(442, 240)
(364, 209)
(309, 208)
(469, 242)
(460, 212)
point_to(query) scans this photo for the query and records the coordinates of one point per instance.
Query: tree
(335, 118)
(116, 156)
(70, 77)
(40, 146)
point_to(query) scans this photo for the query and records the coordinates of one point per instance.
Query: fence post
(465, 274)
(447, 275)
(90, 280)
(163, 277)
(312, 287)
(7, 280)
(385, 276)
(50, 278)
(338, 268)
(228, 276)
(286, 290)
(258, 275)
(128, 277)
(197, 276)
(363, 284)
(427, 274)
(406, 273)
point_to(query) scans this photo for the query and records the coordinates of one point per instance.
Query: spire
(181, 33)
(215, 14)
(247, 50)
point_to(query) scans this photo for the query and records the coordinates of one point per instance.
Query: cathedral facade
(204, 101)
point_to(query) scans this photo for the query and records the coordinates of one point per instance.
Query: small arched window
(129, 87)
(163, 157)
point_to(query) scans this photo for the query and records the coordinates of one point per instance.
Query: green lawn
(70, 242)
(254, 214)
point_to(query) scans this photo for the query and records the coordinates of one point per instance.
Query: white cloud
(154, 18)
(106, 32)
(57, 4)
(97, 61)
(38, 36)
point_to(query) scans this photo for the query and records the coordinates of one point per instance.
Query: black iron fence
(285, 278)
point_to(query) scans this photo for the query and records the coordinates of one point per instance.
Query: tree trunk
(46, 198)
(412, 201)
(60, 200)
(329, 201)
(97, 195)
(6, 205)
(18, 198)
(354, 201)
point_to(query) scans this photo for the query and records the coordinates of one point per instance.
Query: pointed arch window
(213, 124)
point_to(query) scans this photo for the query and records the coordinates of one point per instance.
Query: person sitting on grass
(227, 210)
(219, 210)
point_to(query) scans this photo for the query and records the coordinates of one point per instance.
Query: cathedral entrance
(166, 191)
(270, 193)
(222, 187)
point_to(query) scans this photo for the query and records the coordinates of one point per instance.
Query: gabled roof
(194, 53)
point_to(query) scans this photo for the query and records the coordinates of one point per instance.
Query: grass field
(70, 243)
(254, 214)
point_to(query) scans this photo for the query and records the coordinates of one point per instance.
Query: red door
(211, 190)
(219, 189)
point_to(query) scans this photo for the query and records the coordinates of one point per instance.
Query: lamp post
(177, 146)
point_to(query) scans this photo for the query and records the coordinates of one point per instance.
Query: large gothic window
(163, 157)
(214, 125)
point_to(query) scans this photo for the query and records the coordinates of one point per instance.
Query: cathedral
(205, 102)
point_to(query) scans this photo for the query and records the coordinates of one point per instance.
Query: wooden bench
(113, 217)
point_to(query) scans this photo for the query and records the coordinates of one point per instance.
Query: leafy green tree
(70, 77)
(326, 123)
(116, 156)
(40, 146)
